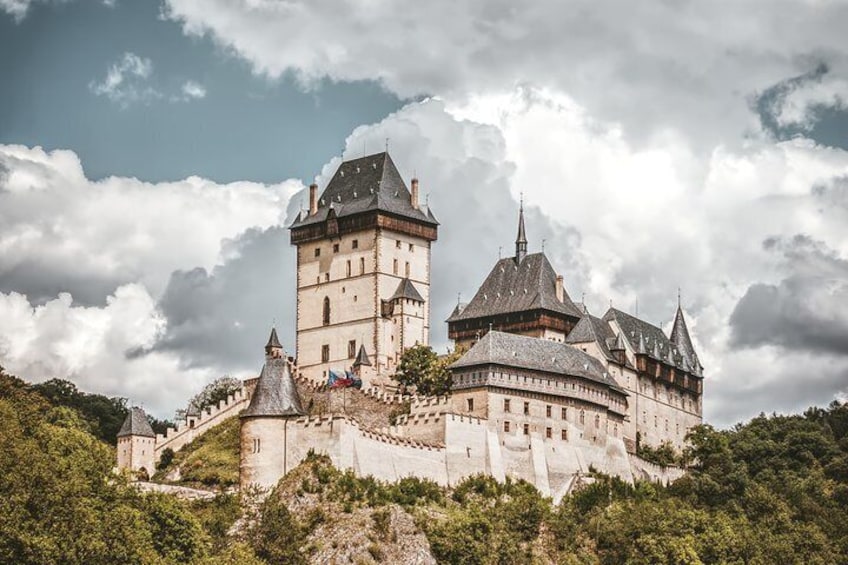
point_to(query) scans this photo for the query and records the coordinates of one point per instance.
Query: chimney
(559, 289)
(415, 193)
(313, 199)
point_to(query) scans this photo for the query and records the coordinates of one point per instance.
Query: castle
(544, 390)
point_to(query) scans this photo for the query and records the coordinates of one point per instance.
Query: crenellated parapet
(194, 426)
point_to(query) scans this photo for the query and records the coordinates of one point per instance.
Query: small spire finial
(458, 298)
(678, 297)
(543, 244)
(521, 238)
(500, 250)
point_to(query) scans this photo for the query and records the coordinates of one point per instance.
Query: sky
(153, 153)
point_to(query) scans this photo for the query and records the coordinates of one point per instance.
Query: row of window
(549, 432)
(657, 422)
(351, 351)
(548, 411)
(349, 270)
(354, 244)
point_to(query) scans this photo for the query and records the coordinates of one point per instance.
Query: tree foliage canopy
(420, 367)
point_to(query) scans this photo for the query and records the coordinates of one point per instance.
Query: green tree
(216, 391)
(420, 367)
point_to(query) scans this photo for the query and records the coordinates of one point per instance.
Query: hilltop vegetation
(773, 490)
(210, 461)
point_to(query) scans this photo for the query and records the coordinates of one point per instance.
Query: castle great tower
(363, 270)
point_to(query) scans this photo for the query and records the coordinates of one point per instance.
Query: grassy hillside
(210, 461)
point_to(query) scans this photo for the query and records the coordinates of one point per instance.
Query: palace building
(544, 391)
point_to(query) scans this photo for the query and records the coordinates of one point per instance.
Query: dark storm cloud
(221, 318)
(806, 311)
(42, 281)
(793, 384)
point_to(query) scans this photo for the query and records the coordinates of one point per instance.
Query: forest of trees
(772, 490)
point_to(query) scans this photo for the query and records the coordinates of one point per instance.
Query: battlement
(422, 403)
(194, 426)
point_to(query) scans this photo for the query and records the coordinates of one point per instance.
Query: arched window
(326, 310)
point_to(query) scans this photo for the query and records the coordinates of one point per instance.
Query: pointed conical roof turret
(362, 358)
(618, 345)
(642, 349)
(136, 424)
(273, 348)
(521, 238)
(680, 335)
(276, 393)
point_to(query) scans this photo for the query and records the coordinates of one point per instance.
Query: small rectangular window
(506, 404)
(470, 403)
(565, 413)
(325, 353)
(362, 265)
(548, 433)
(407, 270)
(351, 349)
(564, 435)
(548, 409)
(526, 408)
(397, 244)
(395, 266)
(527, 429)
(348, 268)
(317, 251)
(354, 244)
(335, 248)
(506, 427)
(411, 248)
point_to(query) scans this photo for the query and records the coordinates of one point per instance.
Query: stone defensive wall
(195, 426)
(647, 471)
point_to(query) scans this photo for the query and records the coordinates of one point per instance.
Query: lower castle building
(544, 391)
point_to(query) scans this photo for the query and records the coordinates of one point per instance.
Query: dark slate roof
(639, 333)
(591, 329)
(363, 185)
(275, 393)
(192, 409)
(136, 424)
(273, 340)
(460, 306)
(518, 287)
(680, 336)
(407, 290)
(513, 350)
(362, 357)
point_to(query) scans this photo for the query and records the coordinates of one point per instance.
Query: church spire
(521, 239)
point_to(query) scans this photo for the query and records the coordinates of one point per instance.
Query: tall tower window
(326, 310)
(348, 268)
(407, 269)
(351, 349)
(362, 265)
(394, 266)
(325, 353)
